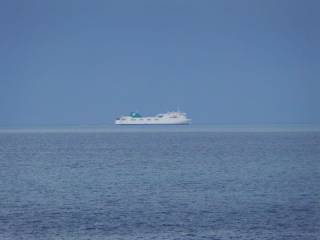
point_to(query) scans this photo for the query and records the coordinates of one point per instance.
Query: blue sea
(159, 183)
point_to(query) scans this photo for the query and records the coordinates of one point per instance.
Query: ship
(169, 118)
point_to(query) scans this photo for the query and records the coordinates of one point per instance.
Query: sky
(221, 61)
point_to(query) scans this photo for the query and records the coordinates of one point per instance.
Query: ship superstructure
(173, 118)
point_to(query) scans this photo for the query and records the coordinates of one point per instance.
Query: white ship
(173, 118)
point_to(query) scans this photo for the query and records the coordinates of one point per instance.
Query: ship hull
(152, 122)
(169, 118)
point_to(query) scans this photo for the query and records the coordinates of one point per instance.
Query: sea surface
(159, 183)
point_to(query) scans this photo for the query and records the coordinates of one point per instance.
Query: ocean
(159, 183)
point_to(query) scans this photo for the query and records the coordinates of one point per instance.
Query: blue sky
(222, 61)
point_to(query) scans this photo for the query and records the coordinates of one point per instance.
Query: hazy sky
(221, 61)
